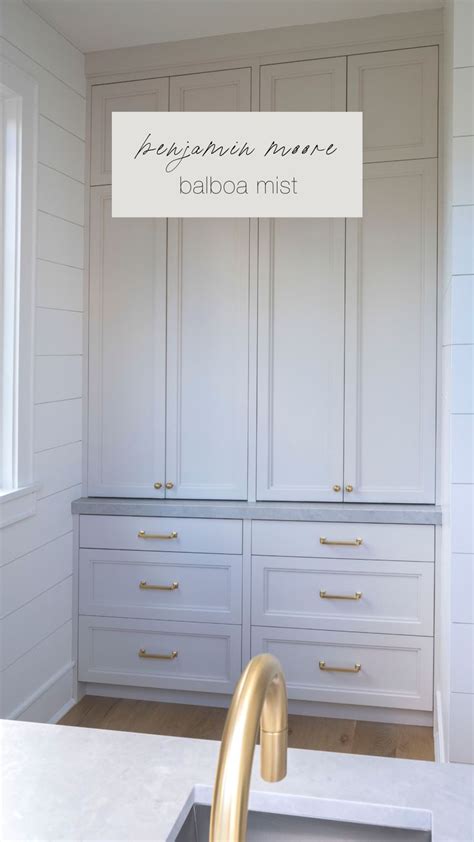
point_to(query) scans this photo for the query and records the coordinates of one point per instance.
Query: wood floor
(413, 742)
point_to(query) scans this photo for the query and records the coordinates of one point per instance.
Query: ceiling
(105, 24)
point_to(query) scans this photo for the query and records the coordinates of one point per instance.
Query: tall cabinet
(169, 315)
(347, 312)
(317, 380)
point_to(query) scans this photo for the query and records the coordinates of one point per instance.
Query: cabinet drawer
(208, 656)
(394, 597)
(174, 586)
(190, 535)
(395, 671)
(363, 540)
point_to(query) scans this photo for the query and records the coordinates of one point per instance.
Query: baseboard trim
(439, 739)
(325, 709)
(22, 709)
(62, 712)
(152, 694)
(364, 713)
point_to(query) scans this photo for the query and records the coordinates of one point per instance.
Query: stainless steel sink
(268, 827)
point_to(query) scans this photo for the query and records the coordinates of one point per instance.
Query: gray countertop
(336, 512)
(60, 783)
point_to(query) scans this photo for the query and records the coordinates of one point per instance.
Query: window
(18, 152)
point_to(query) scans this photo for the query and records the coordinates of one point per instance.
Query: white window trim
(19, 500)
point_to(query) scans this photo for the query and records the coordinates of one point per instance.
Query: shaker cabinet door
(208, 327)
(301, 319)
(397, 91)
(220, 90)
(391, 336)
(142, 95)
(315, 85)
(300, 359)
(127, 332)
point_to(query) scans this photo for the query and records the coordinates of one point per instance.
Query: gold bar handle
(355, 668)
(143, 534)
(325, 595)
(142, 653)
(144, 586)
(355, 543)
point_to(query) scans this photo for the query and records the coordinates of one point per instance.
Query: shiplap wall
(36, 553)
(455, 587)
(461, 339)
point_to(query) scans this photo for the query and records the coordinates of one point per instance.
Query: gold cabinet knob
(157, 485)
(349, 488)
(336, 488)
(169, 485)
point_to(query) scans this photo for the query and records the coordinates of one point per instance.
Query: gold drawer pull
(355, 668)
(142, 653)
(355, 543)
(325, 595)
(143, 534)
(144, 586)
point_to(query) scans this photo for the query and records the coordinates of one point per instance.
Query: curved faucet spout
(260, 697)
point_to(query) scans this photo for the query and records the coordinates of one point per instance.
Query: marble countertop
(336, 512)
(62, 783)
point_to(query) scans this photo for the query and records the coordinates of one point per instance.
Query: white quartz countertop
(61, 783)
(336, 512)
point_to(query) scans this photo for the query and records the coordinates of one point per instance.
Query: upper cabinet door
(318, 85)
(208, 327)
(397, 92)
(301, 319)
(224, 90)
(127, 349)
(391, 337)
(143, 95)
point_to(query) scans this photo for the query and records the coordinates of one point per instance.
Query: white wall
(456, 679)
(36, 553)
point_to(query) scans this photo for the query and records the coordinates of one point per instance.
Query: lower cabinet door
(127, 352)
(393, 671)
(152, 653)
(300, 359)
(390, 337)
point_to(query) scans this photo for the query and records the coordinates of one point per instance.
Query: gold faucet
(260, 696)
